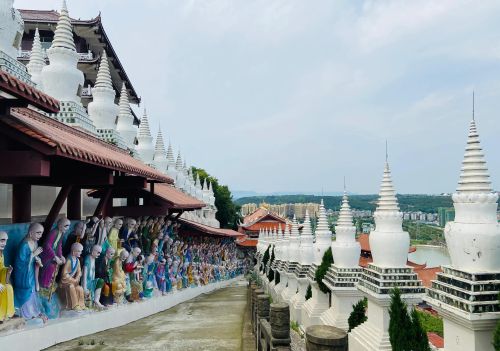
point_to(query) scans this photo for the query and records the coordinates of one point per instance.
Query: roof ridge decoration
(63, 35)
(474, 177)
(104, 74)
(37, 60)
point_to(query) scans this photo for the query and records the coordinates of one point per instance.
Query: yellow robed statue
(6, 292)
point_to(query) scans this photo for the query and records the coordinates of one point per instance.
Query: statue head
(110, 252)
(118, 223)
(136, 252)
(76, 250)
(123, 255)
(35, 231)
(96, 251)
(63, 225)
(108, 222)
(131, 224)
(79, 229)
(3, 240)
(150, 259)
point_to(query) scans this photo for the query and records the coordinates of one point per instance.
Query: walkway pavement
(209, 322)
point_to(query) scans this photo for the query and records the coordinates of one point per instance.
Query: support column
(75, 204)
(56, 208)
(21, 203)
(102, 203)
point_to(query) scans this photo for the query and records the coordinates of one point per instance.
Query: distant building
(445, 215)
(284, 210)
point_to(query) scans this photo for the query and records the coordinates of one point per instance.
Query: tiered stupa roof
(160, 156)
(37, 61)
(125, 125)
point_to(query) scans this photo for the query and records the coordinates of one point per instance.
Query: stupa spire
(145, 146)
(37, 60)
(322, 227)
(295, 228)
(178, 163)
(160, 156)
(160, 145)
(387, 197)
(125, 125)
(104, 74)
(144, 130)
(345, 214)
(170, 154)
(63, 36)
(474, 177)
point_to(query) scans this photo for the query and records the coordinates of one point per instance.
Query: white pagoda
(292, 263)
(125, 125)
(37, 61)
(282, 263)
(465, 294)
(344, 273)
(144, 147)
(389, 245)
(306, 258)
(318, 303)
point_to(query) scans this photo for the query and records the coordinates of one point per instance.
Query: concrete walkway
(208, 322)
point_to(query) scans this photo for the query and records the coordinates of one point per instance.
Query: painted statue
(92, 285)
(76, 236)
(127, 236)
(148, 276)
(133, 267)
(119, 283)
(52, 256)
(27, 259)
(70, 280)
(104, 271)
(6, 291)
(161, 276)
(114, 234)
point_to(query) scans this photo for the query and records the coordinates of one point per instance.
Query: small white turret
(37, 61)
(180, 179)
(171, 171)
(294, 245)
(144, 146)
(306, 253)
(125, 125)
(61, 78)
(160, 156)
(345, 249)
(103, 110)
(323, 235)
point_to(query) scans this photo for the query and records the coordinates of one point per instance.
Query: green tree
(418, 339)
(309, 293)
(323, 269)
(228, 213)
(400, 325)
(265, 259)
(358, 314)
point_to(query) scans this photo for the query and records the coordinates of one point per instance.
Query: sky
(293, 95)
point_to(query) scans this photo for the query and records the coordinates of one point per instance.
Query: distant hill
(238, 194)
(407, 202)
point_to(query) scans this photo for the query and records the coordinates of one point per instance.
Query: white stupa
(180, 179)
(171, 171)
(465, 294)
(160, 155)
(306, 258)
(344, 273)
(144, 146)
(292, 263)
(125, 125)
(318, 303)
(199, 190)
(102, 109)
(277, 258)
(62, 79)
(37, 61)
(11, 34)
(389, 246)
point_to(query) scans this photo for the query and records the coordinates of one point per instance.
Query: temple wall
(64, 329)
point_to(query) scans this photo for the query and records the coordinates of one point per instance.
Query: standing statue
(70, 280)
(127, 236)
(27, 259)
(91, 285)
(52, 256)
(6, 292)
(119, 283)
(104, 229)
(104, 271)
(113, 235)
(76, 236)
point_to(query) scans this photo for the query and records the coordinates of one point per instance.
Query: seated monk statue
(119, 284)
(91, 285)
(104, 271)
(6, 292)
(70, 280)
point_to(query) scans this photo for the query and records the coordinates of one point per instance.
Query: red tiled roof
(258, 215)
(248, 243)
(21, 90)
(51, 16)
(210, 230)
(71, 143)
(426, 275)
(435, 340)
(176, 197)
(364, 241)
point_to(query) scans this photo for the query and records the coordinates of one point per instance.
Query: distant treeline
(424, 203)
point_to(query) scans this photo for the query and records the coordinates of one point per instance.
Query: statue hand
(63, 260)
(9, 269)
(38, 251)
(1, 287)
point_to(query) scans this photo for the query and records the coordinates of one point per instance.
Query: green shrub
(418, 339)
(265, 259)
(430, 323)
(400, 325)
(358, 314)
(323, 269)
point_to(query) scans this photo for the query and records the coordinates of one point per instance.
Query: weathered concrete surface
(209, 322)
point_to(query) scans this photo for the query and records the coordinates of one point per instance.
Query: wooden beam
(127, 182)
(135, 211)
(21, 203)
(56, 209)
(23, 164)
(75, 204)
(103, 202)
